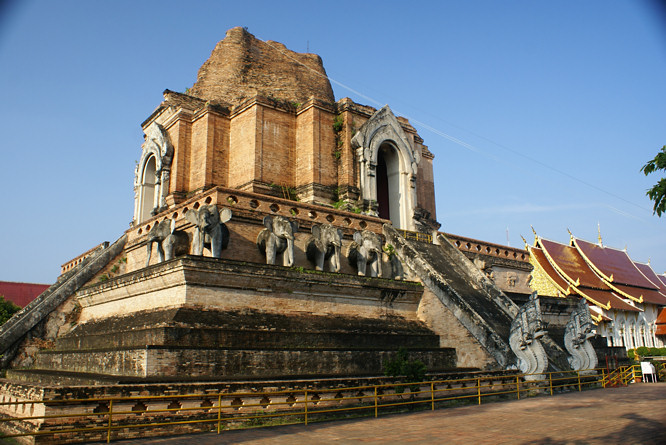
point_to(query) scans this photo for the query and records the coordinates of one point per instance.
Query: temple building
(625, 297)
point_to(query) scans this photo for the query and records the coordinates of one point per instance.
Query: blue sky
(538, 113)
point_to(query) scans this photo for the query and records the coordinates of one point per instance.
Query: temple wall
(239, 286)
(452, 334)
(249, 210)
(425, 184)
(275, 140)
(180, 133)
(243, 138)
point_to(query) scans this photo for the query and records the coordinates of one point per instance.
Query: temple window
(388, 184)
(147, 189)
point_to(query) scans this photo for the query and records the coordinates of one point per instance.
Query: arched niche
(389, 197)
(151, 177)
(147, 189)
(387, 165)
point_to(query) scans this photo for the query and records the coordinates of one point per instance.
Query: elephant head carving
(366, 250)
(324, 244)
(210, 230)
(278, 238)
(170, 242)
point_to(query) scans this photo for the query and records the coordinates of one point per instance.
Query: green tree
(7, 309)
(658, 192)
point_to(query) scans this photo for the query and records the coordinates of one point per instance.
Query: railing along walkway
(109, 418)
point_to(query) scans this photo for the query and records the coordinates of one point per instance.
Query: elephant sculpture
(278, 238)
(324, 244)
(210, 231)
(170, 242)
(397, 271)
(366, 250)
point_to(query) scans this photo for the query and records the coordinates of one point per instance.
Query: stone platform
(204, 319)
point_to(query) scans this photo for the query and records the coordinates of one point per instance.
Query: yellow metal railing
(416, 236)
(219, 411)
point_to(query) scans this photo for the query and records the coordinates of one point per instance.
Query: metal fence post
(432, 395)
(375, 400)
(579, 387)
(550, 382)
(219, 412)
(478, 389)
(518, 386)
(306, 406)
(108, 431)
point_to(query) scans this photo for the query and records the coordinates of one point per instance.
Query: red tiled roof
(21, 293)
(568, 269)
(662, 278)
(649, 295)
(606, 297)
(613, 263)
(651, 275)
(572, 264)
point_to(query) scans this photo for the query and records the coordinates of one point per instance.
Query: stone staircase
(478, 304)
(67, 284)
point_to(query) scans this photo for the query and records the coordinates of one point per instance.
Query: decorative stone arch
(152, 173)
(382, 140)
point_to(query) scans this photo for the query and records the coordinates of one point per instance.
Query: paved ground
(630, 415)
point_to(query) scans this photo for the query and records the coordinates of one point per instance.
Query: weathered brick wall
(242, 66)
(275, 140)
(452, 334)
(242, 164)
(180, 134)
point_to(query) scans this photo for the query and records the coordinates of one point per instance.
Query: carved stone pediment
(384, 132)
(381, 127)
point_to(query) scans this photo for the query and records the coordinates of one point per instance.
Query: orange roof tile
(661, 322)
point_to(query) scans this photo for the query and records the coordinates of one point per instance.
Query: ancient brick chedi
(242, 66)
(261, 118)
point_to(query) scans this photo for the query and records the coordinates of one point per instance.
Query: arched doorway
(389, 204)
(147, 192)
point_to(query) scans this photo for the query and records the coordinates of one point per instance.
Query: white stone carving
(384, 130)
(526, 329)
(152, 173)
(577, 334)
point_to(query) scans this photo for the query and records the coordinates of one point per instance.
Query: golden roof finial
(527, 246)
(599, 231)
(536, 237)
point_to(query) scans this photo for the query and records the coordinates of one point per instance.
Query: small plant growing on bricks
(411, 371)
